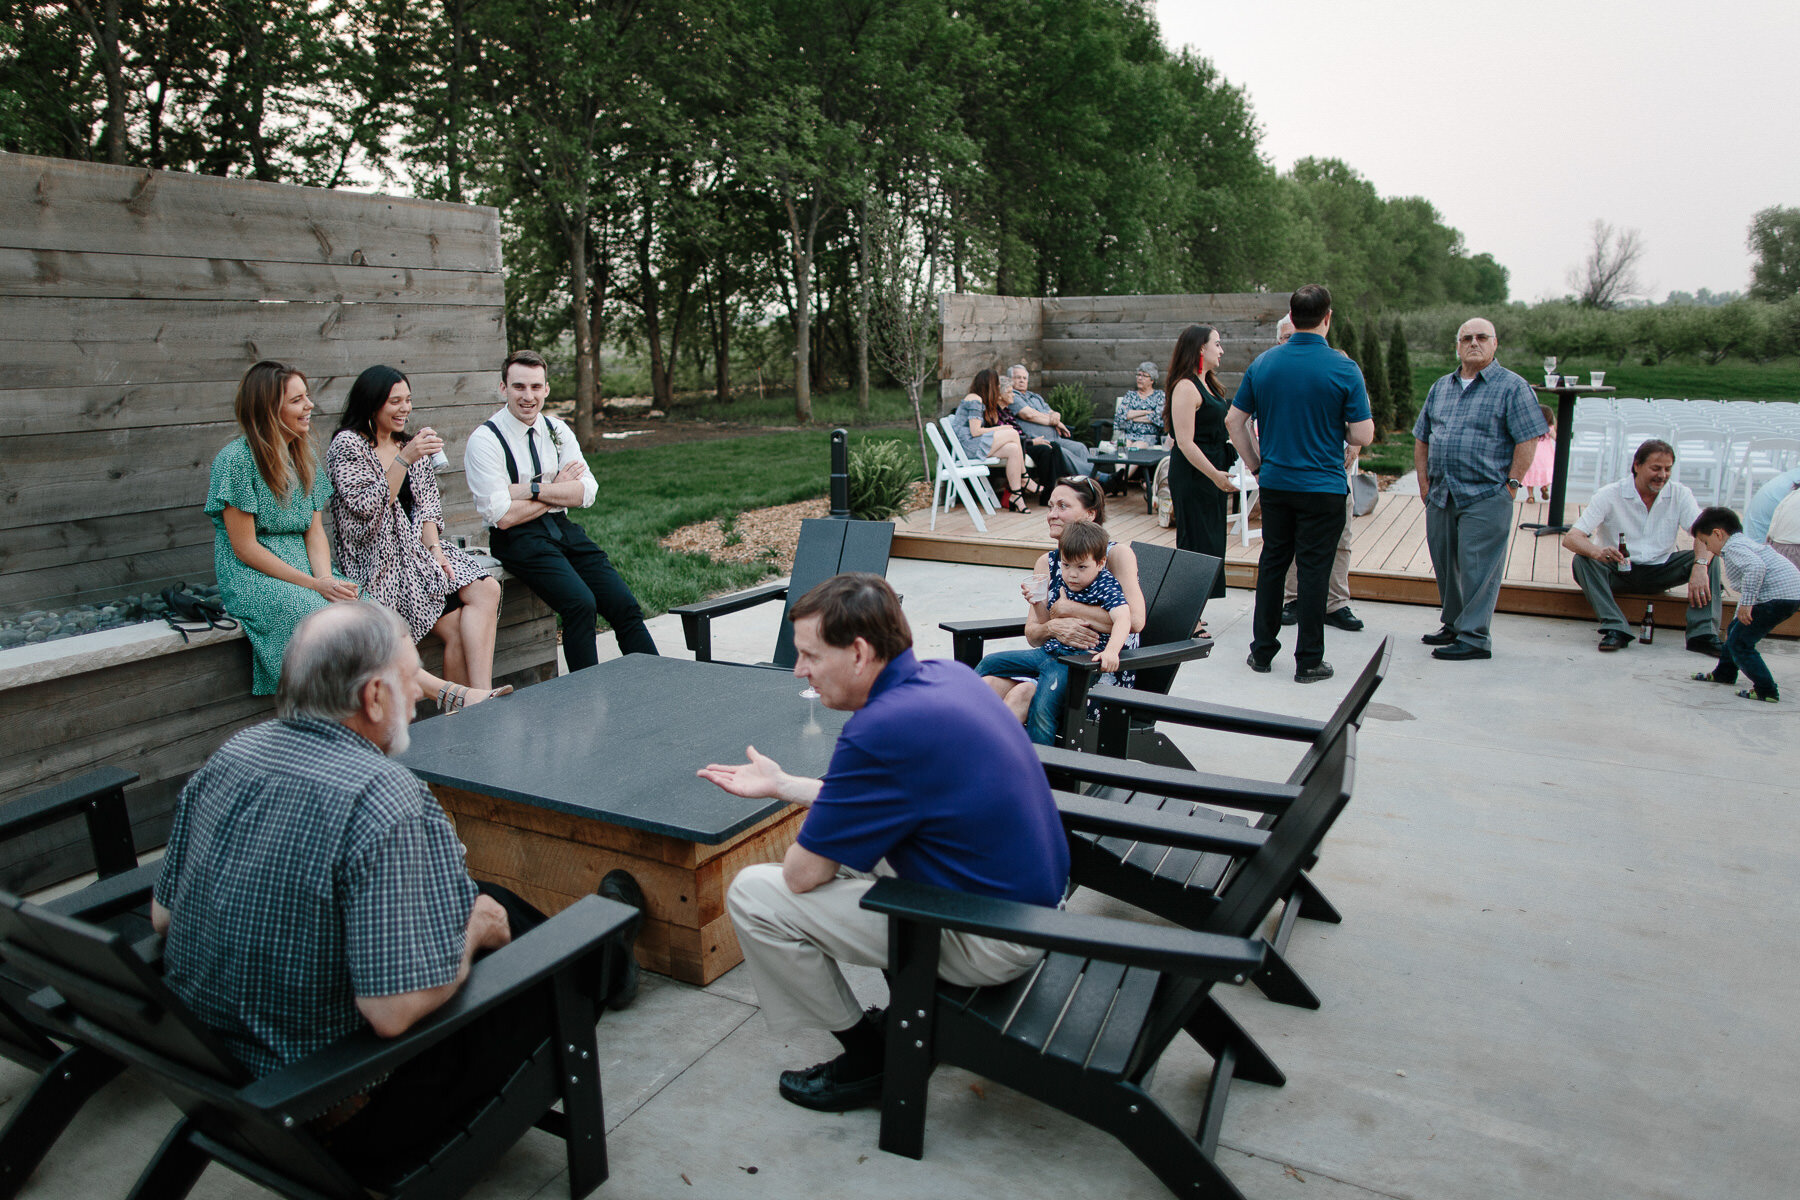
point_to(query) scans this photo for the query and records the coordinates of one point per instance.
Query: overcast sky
(1523, 120)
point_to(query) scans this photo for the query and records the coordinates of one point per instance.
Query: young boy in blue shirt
(1078, 567)
(1768, 587)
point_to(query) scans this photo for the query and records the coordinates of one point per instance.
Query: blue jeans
(1052, 677)
(1740, 646)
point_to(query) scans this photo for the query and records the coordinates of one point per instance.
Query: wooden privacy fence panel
(1095, 341)
(134, 302)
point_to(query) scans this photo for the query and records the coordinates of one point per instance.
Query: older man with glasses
(1475, 438)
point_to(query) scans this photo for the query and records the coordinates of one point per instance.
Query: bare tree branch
(1609, 274)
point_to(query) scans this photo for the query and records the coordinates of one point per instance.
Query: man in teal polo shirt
(1308, 402)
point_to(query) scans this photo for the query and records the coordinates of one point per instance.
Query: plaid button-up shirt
(1473, 431)
(305, 869)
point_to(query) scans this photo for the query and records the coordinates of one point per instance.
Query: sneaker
(1751, 694)
(1343, 618)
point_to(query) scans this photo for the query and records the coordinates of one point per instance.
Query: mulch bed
(764, 534)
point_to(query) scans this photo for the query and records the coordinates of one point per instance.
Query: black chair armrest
(351, 1064)
(1109, 818)
(97, 795)
(1206, 715)
(696, 618)
(1070, 766)
(968, 637)
(1143, 658)
(109, 897)
(1131, 943)
(1101, 428)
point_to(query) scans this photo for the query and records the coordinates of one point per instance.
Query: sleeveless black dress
(1200, 507)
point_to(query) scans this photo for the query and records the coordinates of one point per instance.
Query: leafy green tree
(1774, 241)
(1400, 377)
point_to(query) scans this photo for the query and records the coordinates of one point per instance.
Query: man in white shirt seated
(526, 471)
(1644, 513)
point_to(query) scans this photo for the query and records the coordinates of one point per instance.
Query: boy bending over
(1768, 587)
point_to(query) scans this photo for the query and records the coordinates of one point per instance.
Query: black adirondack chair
(1175, 585)
(102, 992)
(1178, 884)
(1084, 1030)
(827, 547)
(67, 1075)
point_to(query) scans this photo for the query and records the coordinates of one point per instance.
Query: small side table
(1565, 434)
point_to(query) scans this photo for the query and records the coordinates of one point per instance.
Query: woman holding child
(389, 521)
(1030, 681)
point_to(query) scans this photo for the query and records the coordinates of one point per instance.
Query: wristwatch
(534, 489)
(1513, 483)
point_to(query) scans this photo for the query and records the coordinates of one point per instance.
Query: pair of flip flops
(1743, 693)
(189, 613)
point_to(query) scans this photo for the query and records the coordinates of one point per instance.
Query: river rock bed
(49, 624)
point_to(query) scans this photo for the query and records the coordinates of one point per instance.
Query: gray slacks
(1600, 582)
(1468, 556)
(793, 944)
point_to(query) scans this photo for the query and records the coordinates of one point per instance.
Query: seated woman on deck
(265, 498)
(388, 517)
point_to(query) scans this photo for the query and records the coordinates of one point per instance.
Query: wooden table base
(553, 860)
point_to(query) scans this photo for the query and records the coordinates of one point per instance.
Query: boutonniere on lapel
(555, 437)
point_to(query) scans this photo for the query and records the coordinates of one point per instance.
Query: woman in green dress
(269, 549)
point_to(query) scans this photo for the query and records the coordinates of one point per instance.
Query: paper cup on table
(1549, 380)
(1598, 378)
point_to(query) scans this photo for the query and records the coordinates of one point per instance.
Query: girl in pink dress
(1543, 466)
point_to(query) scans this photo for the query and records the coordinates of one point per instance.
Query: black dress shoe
(1261, 668)
(620, 886)
(1612, 639)
(1461, 652)
(1443, 637)
(1343, 618)
(819, 1089)
(1290, 614)
(1314, 673)
(1706, 645)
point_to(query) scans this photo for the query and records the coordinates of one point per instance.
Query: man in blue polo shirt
(1308, 402)
(933, 780)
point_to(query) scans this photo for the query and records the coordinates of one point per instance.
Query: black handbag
(189, 613)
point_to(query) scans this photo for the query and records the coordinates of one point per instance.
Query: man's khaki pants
(793, 944)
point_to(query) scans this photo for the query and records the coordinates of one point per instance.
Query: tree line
(1755, 330)
(681, 178)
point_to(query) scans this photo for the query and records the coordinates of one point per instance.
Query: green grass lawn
(887, 406)
(648, 492)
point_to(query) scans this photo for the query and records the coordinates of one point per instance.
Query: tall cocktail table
(554, 786)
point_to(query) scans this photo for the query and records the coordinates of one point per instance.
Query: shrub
(1071, 400)
(1381, 402)
(1400, 378)
(881, 475)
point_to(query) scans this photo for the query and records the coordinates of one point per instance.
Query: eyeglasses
(1475, 337)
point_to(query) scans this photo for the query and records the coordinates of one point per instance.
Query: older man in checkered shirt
(312, 886)
(1475, 437)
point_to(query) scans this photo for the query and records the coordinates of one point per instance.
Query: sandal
(1017, 503)
(454, 697)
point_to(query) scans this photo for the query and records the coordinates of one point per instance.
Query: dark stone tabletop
(620, 743)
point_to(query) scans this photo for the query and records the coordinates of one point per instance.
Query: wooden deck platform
(1388, 558)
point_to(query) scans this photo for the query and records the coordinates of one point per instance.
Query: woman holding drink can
(389, 523)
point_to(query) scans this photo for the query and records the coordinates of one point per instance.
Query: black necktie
(537, 467)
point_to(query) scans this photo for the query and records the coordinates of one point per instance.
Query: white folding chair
(953, 480)
(1246, 498)
(984, 487)
(1763, 459)
(1702, 453)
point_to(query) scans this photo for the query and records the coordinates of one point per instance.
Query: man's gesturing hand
(758, 779)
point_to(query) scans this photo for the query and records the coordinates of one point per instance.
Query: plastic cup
(1040, 588)
(1598, 378)
(1549, 380)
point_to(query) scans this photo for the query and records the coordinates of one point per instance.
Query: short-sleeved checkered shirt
(305, 869)
(1473, 431)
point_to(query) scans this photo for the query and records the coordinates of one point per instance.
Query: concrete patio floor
(1567, 964)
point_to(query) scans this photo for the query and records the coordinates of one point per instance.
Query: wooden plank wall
(1094, 341)
(980, 331)
(135, 300)
(1098, 341)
